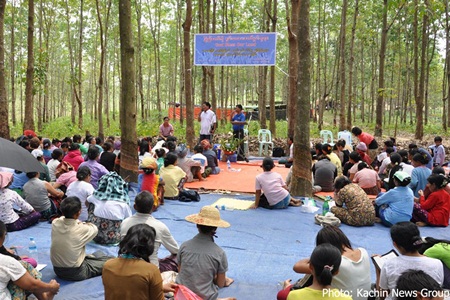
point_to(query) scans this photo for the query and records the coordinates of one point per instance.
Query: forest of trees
(371, 61)
(374, 61)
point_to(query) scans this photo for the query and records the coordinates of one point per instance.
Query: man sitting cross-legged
(68, 248)
(143, 205)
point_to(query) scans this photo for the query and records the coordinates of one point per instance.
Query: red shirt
(438, 207)
(366, 138)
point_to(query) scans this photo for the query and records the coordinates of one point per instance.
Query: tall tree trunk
(28, 122)
(421, 83)
(190, 135)
(128, 154)
(380, 98)
(350, 75)
(292, 28)
(13, 64)
(342, 64)
(78, 96)
(101, 133)
(140, 79)
(447, 60)
(4, 120)
(272, 125)
(301, 170)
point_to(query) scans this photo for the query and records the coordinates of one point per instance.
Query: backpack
(278, 152)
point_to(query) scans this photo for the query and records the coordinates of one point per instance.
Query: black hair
(93, 152)
(355, 156)
(46, 143)
(3, 250)
(143, 147)
(389, 143)
(421, 158)
(207, 104)
(267, 164)
(143, 203)
(31, 174)
(404, 154)
(396, 159)
(171, 138)
(24, 143)
(209, 230)
(83, 172)
(170, 159)
(334, 236)
(407, 236)
(166, 118)
(160, 152)
(57, 153)
(67, 140)
(139, 241)
(239, 106)
(64, 145)
(326, 148)
(74, 146)
(412, 146)
(412, 284)
(341, 143)
(438, 170)
(438, 139)
(98, 140)
(291, 138)
(362, 165)
(356, 131)
(340, 182)
(76, 138)
(318, 146)
(171, 146)
(390, 150)
(70, 207)
(439, 180)
(107, 146)
(2, 229)
(198, 149)
(325, 260)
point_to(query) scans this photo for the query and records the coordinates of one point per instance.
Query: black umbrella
(18, 158)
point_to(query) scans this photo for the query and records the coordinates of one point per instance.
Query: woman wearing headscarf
(10, 199)
(202, 263)
(149, 181)
(108, 207)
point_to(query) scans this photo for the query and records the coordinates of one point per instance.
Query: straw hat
(208, 216)
(148, 163)
(5, 179)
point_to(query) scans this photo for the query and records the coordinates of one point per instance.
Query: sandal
(202, 190)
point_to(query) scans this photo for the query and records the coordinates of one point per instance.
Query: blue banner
(235, 49)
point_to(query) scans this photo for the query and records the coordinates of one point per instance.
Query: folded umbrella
(18, 158)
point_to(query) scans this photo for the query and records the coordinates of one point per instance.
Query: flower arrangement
(229, 144)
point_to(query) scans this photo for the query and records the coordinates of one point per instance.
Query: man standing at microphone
(238, 121)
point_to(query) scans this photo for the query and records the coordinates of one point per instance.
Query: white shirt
(82, 190)
(163, 235)
(207, 119)
(384, 165)
(52, 164)
(354, 275)
(202, 159)
(407, 168)
(394, 267)
(111, 210)
(10, 269)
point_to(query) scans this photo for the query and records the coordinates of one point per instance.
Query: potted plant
(228, 146)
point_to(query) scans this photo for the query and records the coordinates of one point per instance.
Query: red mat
(241, 182)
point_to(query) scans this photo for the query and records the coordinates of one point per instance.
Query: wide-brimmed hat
(208, 216)
(5, 179)
(361, 146)
(401, 175)
(148, 163)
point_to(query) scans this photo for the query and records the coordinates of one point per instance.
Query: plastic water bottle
(228, 165)
(32, 249)
(325, 206)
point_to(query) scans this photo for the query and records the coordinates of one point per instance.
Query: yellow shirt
(336, 161)
(171, 176)
(311, 294)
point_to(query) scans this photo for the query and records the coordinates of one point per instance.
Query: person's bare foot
(421, 224)
(228, 281)
(377, 220)
(295, 202)
(286, 283)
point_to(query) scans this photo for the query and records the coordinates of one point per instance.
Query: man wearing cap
(143, 204)
(203, 264)
(207, 119)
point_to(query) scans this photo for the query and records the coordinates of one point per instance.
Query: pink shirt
(165, 131)
(366, 178)
(67, 178)
(271, 184)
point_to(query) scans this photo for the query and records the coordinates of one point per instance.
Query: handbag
(328, 220)
(188, 196)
